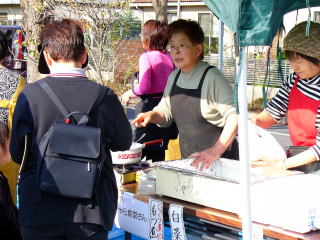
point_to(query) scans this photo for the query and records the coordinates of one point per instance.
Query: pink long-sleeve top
(154, 70)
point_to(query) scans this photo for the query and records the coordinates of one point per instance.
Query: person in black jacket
(9, 228)
(43, 215)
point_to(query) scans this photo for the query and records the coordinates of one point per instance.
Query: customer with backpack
(44, 215)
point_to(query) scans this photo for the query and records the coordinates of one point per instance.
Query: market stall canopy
(255, 21)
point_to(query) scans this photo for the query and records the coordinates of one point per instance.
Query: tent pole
(244, 150)
(220, 50)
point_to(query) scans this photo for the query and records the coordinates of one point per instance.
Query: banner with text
(132, 215)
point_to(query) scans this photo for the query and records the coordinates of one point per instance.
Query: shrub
(118, 88)
(257, 105)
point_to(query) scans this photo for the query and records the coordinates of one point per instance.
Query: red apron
(302, 114)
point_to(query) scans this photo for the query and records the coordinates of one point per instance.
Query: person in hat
(299, 98)
(43, 215)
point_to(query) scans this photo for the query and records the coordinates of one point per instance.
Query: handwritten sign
(176, 222)
(155, 226)
(183, 184)
(132, 215)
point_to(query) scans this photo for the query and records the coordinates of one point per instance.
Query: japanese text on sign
(176, 222)
(132, 215)
(155, 226)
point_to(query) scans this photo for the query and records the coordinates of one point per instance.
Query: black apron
(152, 131)
(312, 167)
(195, 132)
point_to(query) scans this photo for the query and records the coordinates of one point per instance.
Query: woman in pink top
(155, 66)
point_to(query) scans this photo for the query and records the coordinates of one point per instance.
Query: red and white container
(133, 155)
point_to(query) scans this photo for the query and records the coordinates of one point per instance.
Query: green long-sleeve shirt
(216, 94)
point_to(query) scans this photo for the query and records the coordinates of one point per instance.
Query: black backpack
(71, 153)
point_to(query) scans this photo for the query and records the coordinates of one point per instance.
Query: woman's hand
(143, 119)
(302, 158)
(209, 155)
(205, 158)
(269, 162)
(125, 98)
(271, 167)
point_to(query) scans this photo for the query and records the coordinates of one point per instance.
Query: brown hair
(190, 28)
(155, 35)
(63, 39)
(290, 55)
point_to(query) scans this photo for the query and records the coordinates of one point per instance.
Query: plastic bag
(264, 149)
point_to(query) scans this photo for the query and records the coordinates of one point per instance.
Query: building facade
(10, 12)
(189, 9)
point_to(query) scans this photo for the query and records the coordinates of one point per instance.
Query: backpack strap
(101, 94)
(54, 98)
(62, 107)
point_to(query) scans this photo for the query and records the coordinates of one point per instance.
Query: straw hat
(297, 41)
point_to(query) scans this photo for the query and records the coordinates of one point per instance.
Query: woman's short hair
(190, 28)
(4, 45)
(290, 55)
(63, 39)
(155, 35)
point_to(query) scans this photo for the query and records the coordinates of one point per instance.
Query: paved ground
(280, 132)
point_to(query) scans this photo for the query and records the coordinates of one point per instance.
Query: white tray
(289, 202)
(217, 187)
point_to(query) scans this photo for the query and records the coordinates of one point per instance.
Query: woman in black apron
(198, 98)
(155, 66)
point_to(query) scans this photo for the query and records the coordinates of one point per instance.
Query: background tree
(106, 25)
(32, 18)
(160, 8)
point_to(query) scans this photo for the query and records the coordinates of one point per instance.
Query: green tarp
(255, 21)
